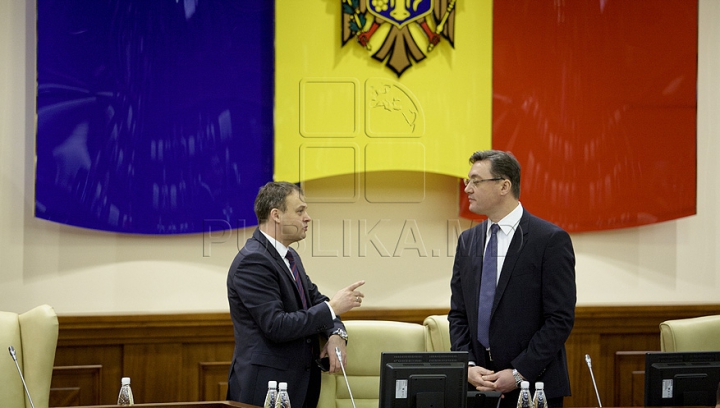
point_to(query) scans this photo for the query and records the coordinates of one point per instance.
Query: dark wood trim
(164, 328)
(150, 328)
(634, 319)
(183, 357)
(209, 404)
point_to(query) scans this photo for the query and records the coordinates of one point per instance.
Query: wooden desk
(206, 404)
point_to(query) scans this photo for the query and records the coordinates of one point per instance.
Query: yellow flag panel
(415, 98)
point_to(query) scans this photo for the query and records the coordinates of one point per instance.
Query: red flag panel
(597, 100)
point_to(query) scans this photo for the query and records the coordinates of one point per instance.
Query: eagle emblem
(361, 20)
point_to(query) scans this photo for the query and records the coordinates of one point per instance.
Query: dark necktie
(487, 287)
(296, 275)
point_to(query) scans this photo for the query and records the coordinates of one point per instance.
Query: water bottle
(539, 400)
(283, 400)
(271, 395)
(125, 397)
(524, 400)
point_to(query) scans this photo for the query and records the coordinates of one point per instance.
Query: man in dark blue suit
(513, 288)
(278, 313)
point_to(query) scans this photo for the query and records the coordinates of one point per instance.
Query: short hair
(502, 164)
(273, 195)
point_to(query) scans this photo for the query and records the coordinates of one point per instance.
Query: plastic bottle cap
(525, 384)
(272, 384)
(539, 385)
(125, 381)
(283, 386)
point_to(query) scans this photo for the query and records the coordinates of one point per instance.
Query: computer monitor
(681, 378)
(423, 379)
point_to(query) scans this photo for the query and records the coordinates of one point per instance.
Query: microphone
(11, 349)
(589, 364)
(339, 356)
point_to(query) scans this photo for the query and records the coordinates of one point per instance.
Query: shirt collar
(280, 248)
(510, 222)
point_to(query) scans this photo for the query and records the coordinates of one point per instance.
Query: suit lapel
(281, 266)
(517, 245)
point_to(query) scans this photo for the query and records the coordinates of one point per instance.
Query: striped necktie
(296, 275)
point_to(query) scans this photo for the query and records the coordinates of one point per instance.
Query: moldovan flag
(415, 98)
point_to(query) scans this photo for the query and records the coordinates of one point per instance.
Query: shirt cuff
(331, 309)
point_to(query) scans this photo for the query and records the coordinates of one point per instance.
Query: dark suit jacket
(275, 338)
(534, 308)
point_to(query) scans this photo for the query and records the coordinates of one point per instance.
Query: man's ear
(275, 215)
(506, 187)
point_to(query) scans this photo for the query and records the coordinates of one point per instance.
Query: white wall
(89, 272)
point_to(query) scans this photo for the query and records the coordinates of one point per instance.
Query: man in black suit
(278, 313)
(512, 307)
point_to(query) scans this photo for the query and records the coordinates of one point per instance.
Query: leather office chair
(367, 339)
(34, 336)
(438, 333)
(694, 334)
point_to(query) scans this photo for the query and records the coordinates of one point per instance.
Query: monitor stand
(483, 399)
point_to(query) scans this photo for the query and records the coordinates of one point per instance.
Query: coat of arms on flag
(409, 29)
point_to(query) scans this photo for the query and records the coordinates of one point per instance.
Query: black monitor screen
(681, 378)
(423, 380)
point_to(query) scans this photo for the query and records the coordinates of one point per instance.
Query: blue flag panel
(153, 116)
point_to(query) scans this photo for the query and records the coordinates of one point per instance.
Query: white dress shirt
(505, 234)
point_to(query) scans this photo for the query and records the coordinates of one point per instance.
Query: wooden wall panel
(630, 378)
(186, 357)
(75, 385)
(155, 370)
(213, 381)
(205, 371)
(107, 358)
(605, 369)
(576, 347)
